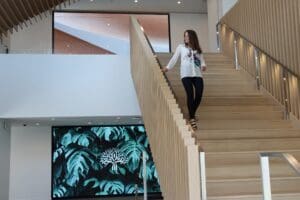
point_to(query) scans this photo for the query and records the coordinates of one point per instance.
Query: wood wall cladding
(15, 14)
(272, 25)
(272, 28)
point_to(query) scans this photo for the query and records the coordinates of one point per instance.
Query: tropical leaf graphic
(83, 139)
(111, 133)
(78, 166)
(59, 191)
(133, 189)
(151, 172)
(99, 161)
(133, 151)
(112, 187)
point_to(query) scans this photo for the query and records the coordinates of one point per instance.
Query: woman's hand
(164, 69)
(203, 68)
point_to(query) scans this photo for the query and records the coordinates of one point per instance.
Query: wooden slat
(29, 5)
(17, 10)
(13, 14)
(174, 150)
(272, 25)
(38, 10)
(27, 16)
(277, 34)
(7, 16)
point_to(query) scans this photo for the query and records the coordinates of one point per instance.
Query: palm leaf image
(133, 151)
(112, 187)
(106, 187)
(151, 172)
(111, 133)
(133, 189)
(81, 138)
(78, 165)
(59, 191)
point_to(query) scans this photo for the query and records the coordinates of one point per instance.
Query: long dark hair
(194, 42)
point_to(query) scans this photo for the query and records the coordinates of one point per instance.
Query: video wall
(101, 161)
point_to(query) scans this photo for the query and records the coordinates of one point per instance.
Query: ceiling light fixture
(136, 1)
(178, 2)
(37, 124)
(108, 24)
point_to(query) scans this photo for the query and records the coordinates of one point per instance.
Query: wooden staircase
(236, 122)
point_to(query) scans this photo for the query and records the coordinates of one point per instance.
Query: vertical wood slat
(174, 150)
(271, 25)
(277, 33)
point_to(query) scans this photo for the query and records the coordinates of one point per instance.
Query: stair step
(288, 196)
(242, 165)
(236, 145)
(251, 186)
(226, 115)
(243, 108)
(251, 100)
(246, 134)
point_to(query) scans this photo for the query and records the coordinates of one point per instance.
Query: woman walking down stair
(192, 63)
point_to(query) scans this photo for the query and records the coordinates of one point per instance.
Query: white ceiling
(75, 121)
(186, 6)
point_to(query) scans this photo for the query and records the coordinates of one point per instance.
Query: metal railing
(280, 81)
(202, 174)
(265, 169)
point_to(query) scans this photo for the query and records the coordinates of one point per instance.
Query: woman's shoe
(193, 124)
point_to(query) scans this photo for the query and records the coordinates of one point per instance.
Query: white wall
(36, 38)
(30, 171)
(216, 10)
(227, 5)
(30, 174)
(4, 160)
(66, 86)
(213, 18)
(179, 22)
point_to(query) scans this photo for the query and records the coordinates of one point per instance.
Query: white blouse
(187, 66)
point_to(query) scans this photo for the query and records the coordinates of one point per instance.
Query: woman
(192, 63)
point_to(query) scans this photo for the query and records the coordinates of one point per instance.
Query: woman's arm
(174, 58)
(203, 64)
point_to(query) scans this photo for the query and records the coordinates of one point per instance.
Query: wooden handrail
(174, 150)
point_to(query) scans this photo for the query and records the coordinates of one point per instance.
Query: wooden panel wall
(174, 151)
(277, 80)
(15, 14)
(272, 25)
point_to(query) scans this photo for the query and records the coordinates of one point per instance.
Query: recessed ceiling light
(136, 1)
(37, 124)
(108, 24)
(178, 2)
(91, 0)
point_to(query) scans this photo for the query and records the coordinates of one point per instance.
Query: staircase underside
(236, 122)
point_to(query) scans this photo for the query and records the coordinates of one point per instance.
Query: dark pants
(193, 100)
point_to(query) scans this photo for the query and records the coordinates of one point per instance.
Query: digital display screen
(96, 161)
